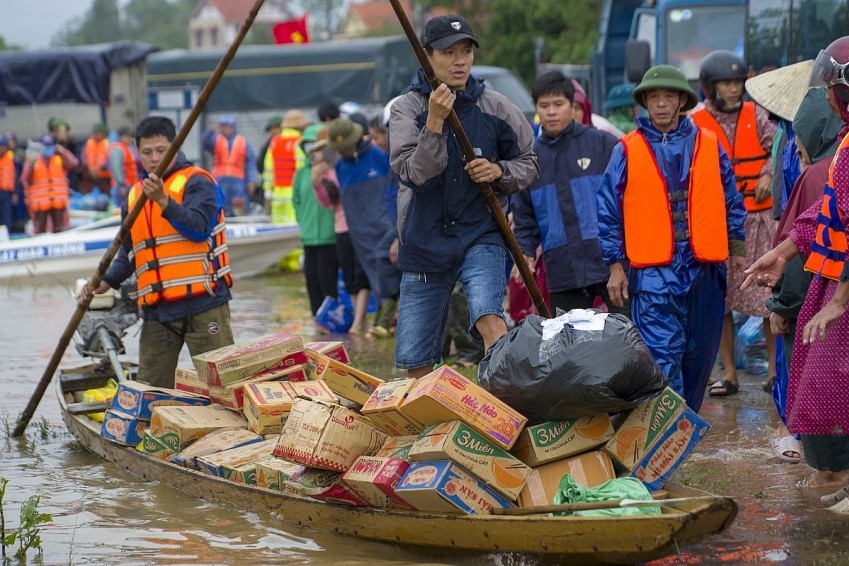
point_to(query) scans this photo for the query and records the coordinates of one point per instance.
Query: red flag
(292, 31)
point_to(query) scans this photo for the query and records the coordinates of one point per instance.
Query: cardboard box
(216, 441)
(555, 440)
(397, 447)
(333, 350)
(374, 480)
(671, 449)
(458, 442)
(324, 485)
(187, 380)
(122, 428)
(243, 473)
(446, 395)
(238, 362)
(233, 396)
(643, 428)
(267, 405)
(155, 447)
(328, 436)
(384, 408)
(274, 473)
(344, 380)
(177, 426)
(217, 464)
(138, 399)
(445, 487)
(589, 469)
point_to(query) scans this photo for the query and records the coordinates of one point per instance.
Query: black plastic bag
(575, 373)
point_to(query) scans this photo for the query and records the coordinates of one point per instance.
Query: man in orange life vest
(232, 163)
(45, 180)
(746, 135)
(668, 207)
(7, 184)
(178, 250)
(123, 165)
(95, 158)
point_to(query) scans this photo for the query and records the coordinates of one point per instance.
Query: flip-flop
(838, 495)
(723, 388)
(785, 446)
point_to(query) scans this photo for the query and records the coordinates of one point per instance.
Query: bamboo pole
(126, 225)
(593, 505)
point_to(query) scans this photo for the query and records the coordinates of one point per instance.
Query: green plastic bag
(570, 491)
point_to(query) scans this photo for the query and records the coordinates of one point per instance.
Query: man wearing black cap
(446, 231)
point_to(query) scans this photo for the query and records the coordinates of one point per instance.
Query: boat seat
(87, 408)
(72, 382)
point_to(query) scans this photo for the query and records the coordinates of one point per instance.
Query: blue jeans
(234, 189)
(6, 213)
(425, 298)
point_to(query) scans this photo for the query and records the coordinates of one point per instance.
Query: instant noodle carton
(324, 435)
(238, 362)
(267, 405)
(177, 426)
(122, 428)
(397, 447)
(554, 440)
(446, 395)
(333, 350)
(458, 442)
(233, 396)
(374, 480)
(187, 380)
(274, 473)
(138, 399)
(244, 473)
(589, 469)
(384, 408)
(445, 487)
(324, 485)
(217, 464)
(153, 446)
(344, 380)
(216, 441)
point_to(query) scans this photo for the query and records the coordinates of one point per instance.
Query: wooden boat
(582, 539)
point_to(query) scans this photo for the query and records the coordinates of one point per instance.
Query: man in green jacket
(316, 225)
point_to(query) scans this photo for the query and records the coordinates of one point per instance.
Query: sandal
(838, 495)
(768, 384)
(785, 447)
(723, 388)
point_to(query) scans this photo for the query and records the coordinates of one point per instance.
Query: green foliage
(27, 534)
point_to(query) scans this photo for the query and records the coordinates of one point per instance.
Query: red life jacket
(230, 162)
(7, 171)
(747, 155)
(649, 230)
(284, 152)
(48, 188)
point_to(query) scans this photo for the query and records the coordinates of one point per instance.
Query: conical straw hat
(781, 91)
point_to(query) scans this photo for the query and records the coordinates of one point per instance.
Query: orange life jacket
(7, 171)
(48, 188)
(128, 163)
(828, 250)
(168, 265)
(283, 150)
(649, 229)
(230, 163)
(97, 156)
(747, 155)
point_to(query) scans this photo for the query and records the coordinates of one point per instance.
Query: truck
(636, 34)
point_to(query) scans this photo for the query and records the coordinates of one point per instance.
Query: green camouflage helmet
(670, 78)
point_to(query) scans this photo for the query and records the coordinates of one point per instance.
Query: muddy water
(104, 515)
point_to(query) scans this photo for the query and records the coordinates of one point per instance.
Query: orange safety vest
(649, 230)
(828, 250)
(97, 156)
(284, 148)
(128, 163)
(7, 171)
(48, 188)
(747, 155)
(230, 163)
(169, 266)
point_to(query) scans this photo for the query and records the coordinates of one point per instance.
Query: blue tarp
(69, 74)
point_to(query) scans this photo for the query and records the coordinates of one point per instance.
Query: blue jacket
(673, 153)
(441, 212)
(559, 209)
(194, 219)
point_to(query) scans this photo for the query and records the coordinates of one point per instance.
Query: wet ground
(104, 515)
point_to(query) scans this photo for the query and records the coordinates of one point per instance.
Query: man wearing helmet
(669, 211)
(746, 135)
(817, 396)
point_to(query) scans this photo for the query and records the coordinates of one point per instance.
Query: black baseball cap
(442, 32)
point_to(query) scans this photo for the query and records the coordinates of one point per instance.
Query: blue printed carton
(122, 428)
(138, 399)
(444, 487)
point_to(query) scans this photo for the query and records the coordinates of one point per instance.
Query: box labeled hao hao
(326, 436)
(138, 399)
(374, 479)
(267, 405)
(238, 362)
(445, 487)
(342, 379)
(122, 428)
(554, 440)
(446, 395)
(177, 426)
(333, 350)
(384, 408)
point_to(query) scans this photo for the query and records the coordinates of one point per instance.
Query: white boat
(62, 258)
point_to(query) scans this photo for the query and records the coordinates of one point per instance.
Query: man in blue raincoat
(669, 207)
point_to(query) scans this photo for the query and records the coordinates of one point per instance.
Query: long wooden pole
(124, 231)
(593, 505)
(469, 152)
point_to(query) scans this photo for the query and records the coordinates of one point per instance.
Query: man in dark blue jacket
(559, 210)
(446, 231)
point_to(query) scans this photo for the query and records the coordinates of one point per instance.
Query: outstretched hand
(766, 271)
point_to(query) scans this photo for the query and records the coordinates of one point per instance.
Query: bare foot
(824, 478)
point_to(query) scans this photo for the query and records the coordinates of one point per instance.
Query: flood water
(102, 514)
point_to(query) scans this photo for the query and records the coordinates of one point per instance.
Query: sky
(31, 23)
